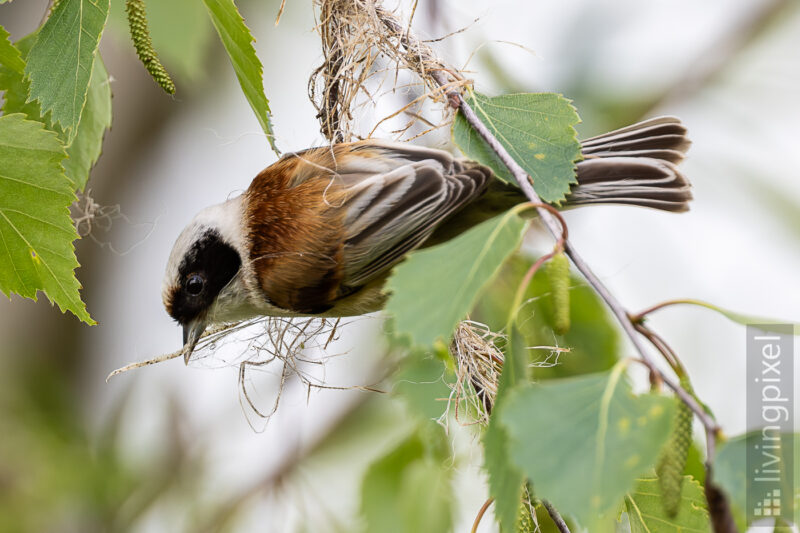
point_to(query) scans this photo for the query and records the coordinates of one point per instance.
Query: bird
(317, 233)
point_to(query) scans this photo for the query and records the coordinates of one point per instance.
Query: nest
(361, 41)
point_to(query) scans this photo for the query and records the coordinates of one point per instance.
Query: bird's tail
(635, 165)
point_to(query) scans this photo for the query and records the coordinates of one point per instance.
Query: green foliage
(35, 227)
(420, 382)
(695, 465)
(238, 42)
(506, 480)
(140, 34)
(435, 288)
(593, 339)
(16, 87)
(9, 55)
(408, 490)
(60, 64)
(87, 144)
(537, 129)
(54, 476)
(588, 428)
(647, 515)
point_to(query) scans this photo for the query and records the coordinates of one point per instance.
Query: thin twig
(553, 512)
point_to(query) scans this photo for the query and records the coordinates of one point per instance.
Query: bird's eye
(195, 284)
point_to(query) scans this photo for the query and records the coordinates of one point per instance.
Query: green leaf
(434, 288)
(36, 232)
(180, 30)
(9, 55)
(537, 129)
(87, 143)
(96, 119)
(505, 479)
(731, 474)
(419, 381)
(646, 509)
(593, 340)
(236, 38)
(590, 428)
(60, 62)
(739, 318)
(408, 490)
(17, 88)
(426, 498)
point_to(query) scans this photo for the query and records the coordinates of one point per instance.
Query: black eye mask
(205, 269)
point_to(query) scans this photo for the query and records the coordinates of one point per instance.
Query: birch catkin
(673, 457)
(137, 23)
(558, 273)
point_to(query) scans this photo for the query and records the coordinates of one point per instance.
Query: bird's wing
(395, 195)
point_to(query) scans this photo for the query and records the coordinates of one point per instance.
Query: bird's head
(202, 284)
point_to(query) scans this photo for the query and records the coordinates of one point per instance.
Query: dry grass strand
(359, 38)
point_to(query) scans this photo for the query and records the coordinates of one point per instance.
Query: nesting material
(293, 349)
(479, 361)
(362, 40)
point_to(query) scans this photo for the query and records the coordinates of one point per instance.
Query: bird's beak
(191, 334)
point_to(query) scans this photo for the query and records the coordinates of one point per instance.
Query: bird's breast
(295, 238)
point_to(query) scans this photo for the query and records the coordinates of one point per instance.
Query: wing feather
(389, 213)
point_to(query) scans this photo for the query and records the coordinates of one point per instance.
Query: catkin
(672, 461)
(525, 523)
(137, 23)
(558, 273)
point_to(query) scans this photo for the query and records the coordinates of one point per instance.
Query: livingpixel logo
(770, 422)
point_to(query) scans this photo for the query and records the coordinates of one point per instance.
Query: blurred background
(171, 448)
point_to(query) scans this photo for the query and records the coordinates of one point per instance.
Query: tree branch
(557, 520)
(422, 56)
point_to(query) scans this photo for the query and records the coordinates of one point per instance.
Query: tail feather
(662, 133)
(635, 165)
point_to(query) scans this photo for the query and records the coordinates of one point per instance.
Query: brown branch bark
(556, 517)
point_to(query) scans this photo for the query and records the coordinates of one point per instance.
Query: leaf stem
(640, 316)
(479, 516)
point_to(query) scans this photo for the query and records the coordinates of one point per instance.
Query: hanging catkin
(137, 22)
(558, 274)
(673, 457)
